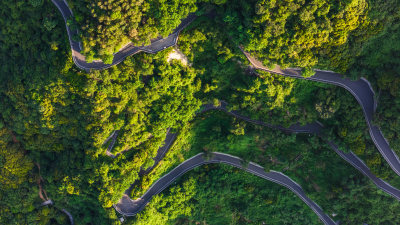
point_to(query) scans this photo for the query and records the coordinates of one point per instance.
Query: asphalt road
(71, 219)
(360, 89)
(363, 168)
(76, 47)
(295, 128)
(170, 137)
(130, 207)
(362, 92)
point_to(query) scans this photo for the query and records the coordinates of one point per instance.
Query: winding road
(360, 89)
(316, 128)
(68, 214)
(170, 137)
(295, 128)
(128, 50)
(129, 207)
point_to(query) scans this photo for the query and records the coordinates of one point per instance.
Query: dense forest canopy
(289, 33)
(55, 118)
(107, 25)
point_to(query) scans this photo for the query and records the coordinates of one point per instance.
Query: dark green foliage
(224, 195)
(57, 116)
(49, 24)
(107, 25)
(36, 3)
(228, 196)
(379, 62)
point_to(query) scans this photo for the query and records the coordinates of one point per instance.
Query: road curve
(316, 128)
(312, 128)
(50, 202)
(156, 45)
(129, 207)
(170, 137)
(363, 168)
(361, 90)
(71, 219)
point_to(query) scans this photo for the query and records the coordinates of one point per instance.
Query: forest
(55, 118)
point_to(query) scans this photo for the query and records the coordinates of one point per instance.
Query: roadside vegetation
(214, 193)
(56, 116)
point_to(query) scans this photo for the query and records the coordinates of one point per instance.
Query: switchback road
(360, 89)
(129, 207)
(362, 92)
(128, 50)
(170, 137)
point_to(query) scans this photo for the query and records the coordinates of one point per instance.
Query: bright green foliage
(107, 25)
(14, 164)
(55, 115)
(379, 62)
(307, 72)
(63, 116)
(230, 196)
(164, 208)
(18, 188)
(294, 32)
